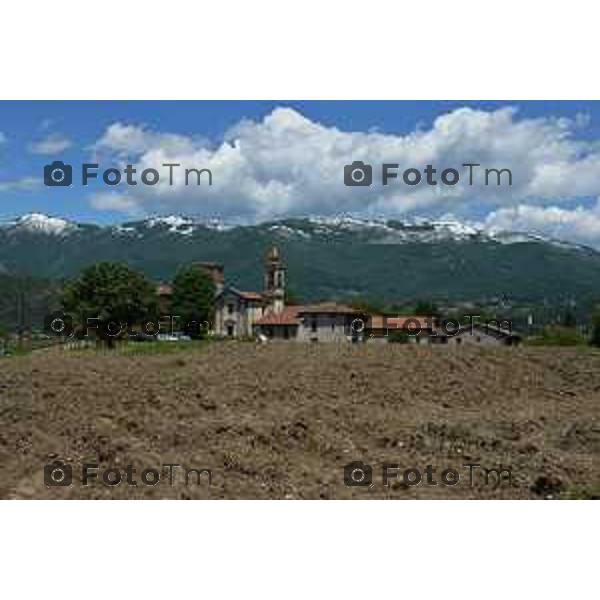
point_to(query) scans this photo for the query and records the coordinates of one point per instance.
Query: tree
(367, 305)
(110, 292)
(424, 308)
(193, 299)
(569, 319)
(398, 336)
(595, 341)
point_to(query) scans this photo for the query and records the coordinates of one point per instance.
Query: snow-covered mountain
(377, 231)
(40, 223)
(326, 257)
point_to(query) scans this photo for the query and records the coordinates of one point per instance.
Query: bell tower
(275, 280)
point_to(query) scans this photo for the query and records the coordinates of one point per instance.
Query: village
(266, 316)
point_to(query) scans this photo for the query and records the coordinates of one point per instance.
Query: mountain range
(343, 257)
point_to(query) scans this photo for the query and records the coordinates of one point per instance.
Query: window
(230, 309)
(313, 325)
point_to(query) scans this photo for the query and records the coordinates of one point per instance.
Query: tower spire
(275, 280)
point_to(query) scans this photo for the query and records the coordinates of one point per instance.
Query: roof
(164, 289)
(214, 269)
(288, 316)
(488, 329)
(327, 308)
(250, 295)
(246, 295)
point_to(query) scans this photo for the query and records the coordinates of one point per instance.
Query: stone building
(265, 314)
(238, 311)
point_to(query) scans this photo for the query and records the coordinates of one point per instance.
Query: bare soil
(282, 420)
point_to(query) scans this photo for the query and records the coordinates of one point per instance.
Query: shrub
(398, 337)
(556, 335)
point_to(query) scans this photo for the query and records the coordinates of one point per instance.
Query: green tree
(111, 292)
(193, 299)
(569, 319)
(424, 308)
(3, 339)
(398, 336)
(367, 305)
(595, 340)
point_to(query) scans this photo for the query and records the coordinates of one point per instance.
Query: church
(245, 314)
(237, 312)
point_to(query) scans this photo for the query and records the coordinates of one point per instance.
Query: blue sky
(274, 159)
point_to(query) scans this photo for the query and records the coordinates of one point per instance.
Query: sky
(280, 159)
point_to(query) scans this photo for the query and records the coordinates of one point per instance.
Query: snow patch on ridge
(40, 223)
(368, 230)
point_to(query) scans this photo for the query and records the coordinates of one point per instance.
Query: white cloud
(287, 164)
(116, 202)
(54, 143)
(579, 224)
(25, 184)
(133, 140)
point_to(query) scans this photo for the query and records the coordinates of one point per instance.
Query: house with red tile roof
(248, 314)
(264, 314)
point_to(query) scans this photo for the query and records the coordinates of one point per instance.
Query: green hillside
(393, 264)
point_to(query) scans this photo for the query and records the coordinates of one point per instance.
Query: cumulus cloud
(287, 164)
(54, 143)
(579, 224)
(131, 141)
